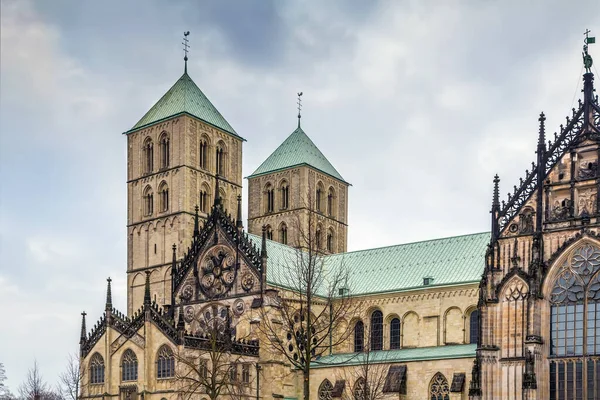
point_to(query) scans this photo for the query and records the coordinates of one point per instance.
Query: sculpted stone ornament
(247, 282)
(218, 271)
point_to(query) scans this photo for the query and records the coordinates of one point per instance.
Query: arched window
(575, 324)
(330, 205)
(165, 363)
(330, 245)
(269, 232)
(377, 330)
(96, 369)
(318, 245)
(285, 195)
(319, 198)
(220, 159)
(359, 337)
(474, 327)
(164, 197)
(269, 198)
(438, 388)
(395, 334)
(360, 390)
(129, 366)
(283, 231)
(164, 151)
(203, 201)
(148, 201)
(325, 390)
(148, 150)
(203, 153)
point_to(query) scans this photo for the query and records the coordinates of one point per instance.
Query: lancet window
(220, 160)
(330, 197)
(325, 390)
(164, 197)
(148, 155)
(148, 201)
(96, 369)
(283, 232)
(203, 153)
(438, 388)
(269, 198)
(129, 366)
(575, 326)
(165, 363)
(164, 151)
(285, 196)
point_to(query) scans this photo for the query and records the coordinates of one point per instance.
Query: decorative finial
(238, 222)
(108, 294)
(587, 59)
(542, 131)
(147, 298)
(196, 223)
(83, 328)
(496, 198)
(186, 46)
(299, 102)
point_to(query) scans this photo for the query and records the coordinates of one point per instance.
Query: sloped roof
(452, 260)
(184, 97)
(296, 150)
(397, 356)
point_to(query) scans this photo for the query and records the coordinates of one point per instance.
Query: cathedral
(513, 313)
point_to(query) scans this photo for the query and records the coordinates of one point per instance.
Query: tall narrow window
(283, 231)
(165, 363)
(330, 207)
(318, 238)
(575, 325)
(438, 388)
(220, 160)
(319, 199)
(164, 151)
(377, 330)
(359, 337)
(285, 196)
(269, 232)
(245, 373)
(129, 366)
(148, 156)
(96, 369)
(203, 154)
(148, 201)
(269, 198)
(474, 327)
(330, 241)
(203, 203)
(395, 334)
(164, 197)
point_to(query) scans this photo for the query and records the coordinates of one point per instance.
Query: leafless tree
(308, 317)
(5, 393)
(71, 380)
(213, 362)
(35, 388)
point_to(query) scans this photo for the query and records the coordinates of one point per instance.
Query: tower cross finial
(186, 47)
(587, 59)
(299, 102)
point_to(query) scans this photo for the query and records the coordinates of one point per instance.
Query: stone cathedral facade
(511, 314)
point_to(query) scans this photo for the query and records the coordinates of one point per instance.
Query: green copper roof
(184, 97)
(449, 261)
(296, 150)
(397, 356)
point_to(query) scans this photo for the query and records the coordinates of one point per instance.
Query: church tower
(295, 191)
(174, 154)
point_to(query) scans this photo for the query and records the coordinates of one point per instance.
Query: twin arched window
(269, 198)
(220, 159)
(283, 231)
(285, 195)
(165, 363)
(319, 198)
(330, 243)
(164, 197)
(96, 369)
(318, 237)
(148, 156)
(203, 201)
(377, 330)
(129, 366)
(359, 337)
(395, 334)
(330, 204)
(148, 201)
(269, 232)
(203, 153)
(164, 151)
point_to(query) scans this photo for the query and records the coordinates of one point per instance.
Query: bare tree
(35, 388)
(71, 380)
(214, 362)
(5, 393)
(307, 319)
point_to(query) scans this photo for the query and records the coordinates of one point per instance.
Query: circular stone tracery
(218, 271)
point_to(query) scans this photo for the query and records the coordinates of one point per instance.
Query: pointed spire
(147, 298)
(299, 108)
(186, 46)
(196, 223)
(263, 250)
(238, 222)
(108, 294)
(496, 208)
(496, 197)
(83, 328)
(542, 131)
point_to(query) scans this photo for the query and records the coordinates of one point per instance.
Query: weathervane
(186, 46)
(299, 102)
(587, 59)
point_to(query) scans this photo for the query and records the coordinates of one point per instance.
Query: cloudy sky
(416, 103)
